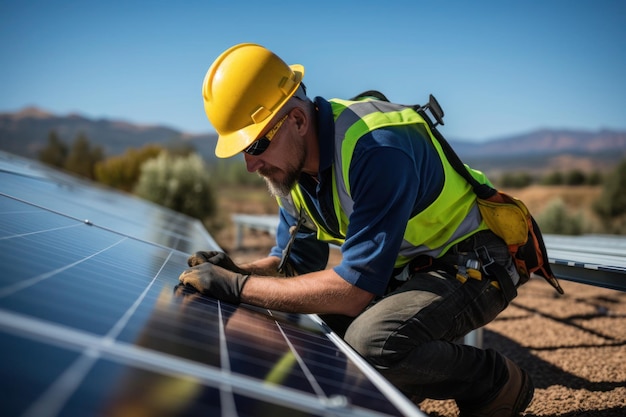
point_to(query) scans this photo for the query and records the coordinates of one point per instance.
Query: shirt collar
(325, 132)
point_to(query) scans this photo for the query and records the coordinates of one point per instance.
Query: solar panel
(93, 321)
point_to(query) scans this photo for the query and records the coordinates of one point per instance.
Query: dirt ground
(573, 346)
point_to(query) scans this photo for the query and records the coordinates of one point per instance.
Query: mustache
(267, 171)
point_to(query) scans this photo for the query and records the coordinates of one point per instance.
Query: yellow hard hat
(243, 90)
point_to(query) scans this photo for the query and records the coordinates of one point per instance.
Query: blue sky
(498, 68)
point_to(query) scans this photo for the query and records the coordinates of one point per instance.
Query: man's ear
(302, 121)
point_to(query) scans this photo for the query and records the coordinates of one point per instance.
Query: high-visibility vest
(450, 218)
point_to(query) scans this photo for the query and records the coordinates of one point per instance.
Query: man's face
(281, 164)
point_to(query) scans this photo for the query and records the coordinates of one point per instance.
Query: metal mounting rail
(267, 223)
(598, 260)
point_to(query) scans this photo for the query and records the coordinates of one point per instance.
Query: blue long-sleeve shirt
(394, 174)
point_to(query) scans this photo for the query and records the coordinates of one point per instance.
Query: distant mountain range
(25, 132)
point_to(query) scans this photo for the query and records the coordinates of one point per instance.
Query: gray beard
(283, 188)
(293, 172)
(279, 189)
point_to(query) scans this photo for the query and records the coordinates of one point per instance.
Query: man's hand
(215, 281)
(215, 258)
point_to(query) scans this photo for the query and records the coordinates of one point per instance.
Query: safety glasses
(261, 144)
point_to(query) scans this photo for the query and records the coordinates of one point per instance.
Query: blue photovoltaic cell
(93, 321)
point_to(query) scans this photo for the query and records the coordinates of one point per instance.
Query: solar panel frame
(96, 324)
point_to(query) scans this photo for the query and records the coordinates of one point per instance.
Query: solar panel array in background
(92, 321)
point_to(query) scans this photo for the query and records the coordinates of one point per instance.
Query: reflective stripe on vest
(451, 217)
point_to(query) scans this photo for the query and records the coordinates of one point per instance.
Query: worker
(367, 175)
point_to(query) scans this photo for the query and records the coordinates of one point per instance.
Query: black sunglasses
(261, 144)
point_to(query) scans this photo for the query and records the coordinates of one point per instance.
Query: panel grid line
(172, 233)
(40, 231)
(121, 323)
(150, 360)
(226, 394)
(307, 372)
(18, 286)
(53, 400)
(400, 401)
(30, 203)
(50, 403)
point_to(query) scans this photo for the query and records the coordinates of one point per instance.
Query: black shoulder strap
(483, 191)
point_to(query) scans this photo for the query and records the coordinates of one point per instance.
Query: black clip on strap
(498, 272)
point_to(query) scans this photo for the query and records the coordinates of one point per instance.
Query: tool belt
(477, 264)
(511, 222)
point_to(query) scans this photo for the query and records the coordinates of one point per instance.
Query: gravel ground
(573, 345)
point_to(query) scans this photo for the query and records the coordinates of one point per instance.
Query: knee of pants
(376, 340)
(363, 338)
(382, 335)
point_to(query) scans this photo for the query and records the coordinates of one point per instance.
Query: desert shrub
(554, 178)
(611, 205)
(556, 219)
(515, 180)
(234, 173)
(575, 177)
(181, 183)
(595, 178)
(122, 171)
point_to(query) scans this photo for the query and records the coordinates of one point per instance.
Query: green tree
(595, 178)
(575, 177)
(554, 178)
(516, 180)
(611, 205)
(55, 152)
(82, 157)
(122, 171)
(181, 183)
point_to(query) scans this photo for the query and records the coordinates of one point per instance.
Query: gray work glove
(215, 258)
(215, 281)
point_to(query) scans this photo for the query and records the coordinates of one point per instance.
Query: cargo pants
(411, 334)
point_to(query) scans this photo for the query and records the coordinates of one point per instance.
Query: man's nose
(252, 163)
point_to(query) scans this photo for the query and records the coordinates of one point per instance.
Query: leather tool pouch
(509, 218)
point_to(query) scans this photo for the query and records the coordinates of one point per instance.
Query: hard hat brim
(232, 143)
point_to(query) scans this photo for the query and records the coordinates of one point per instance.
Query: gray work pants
(409, 335)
